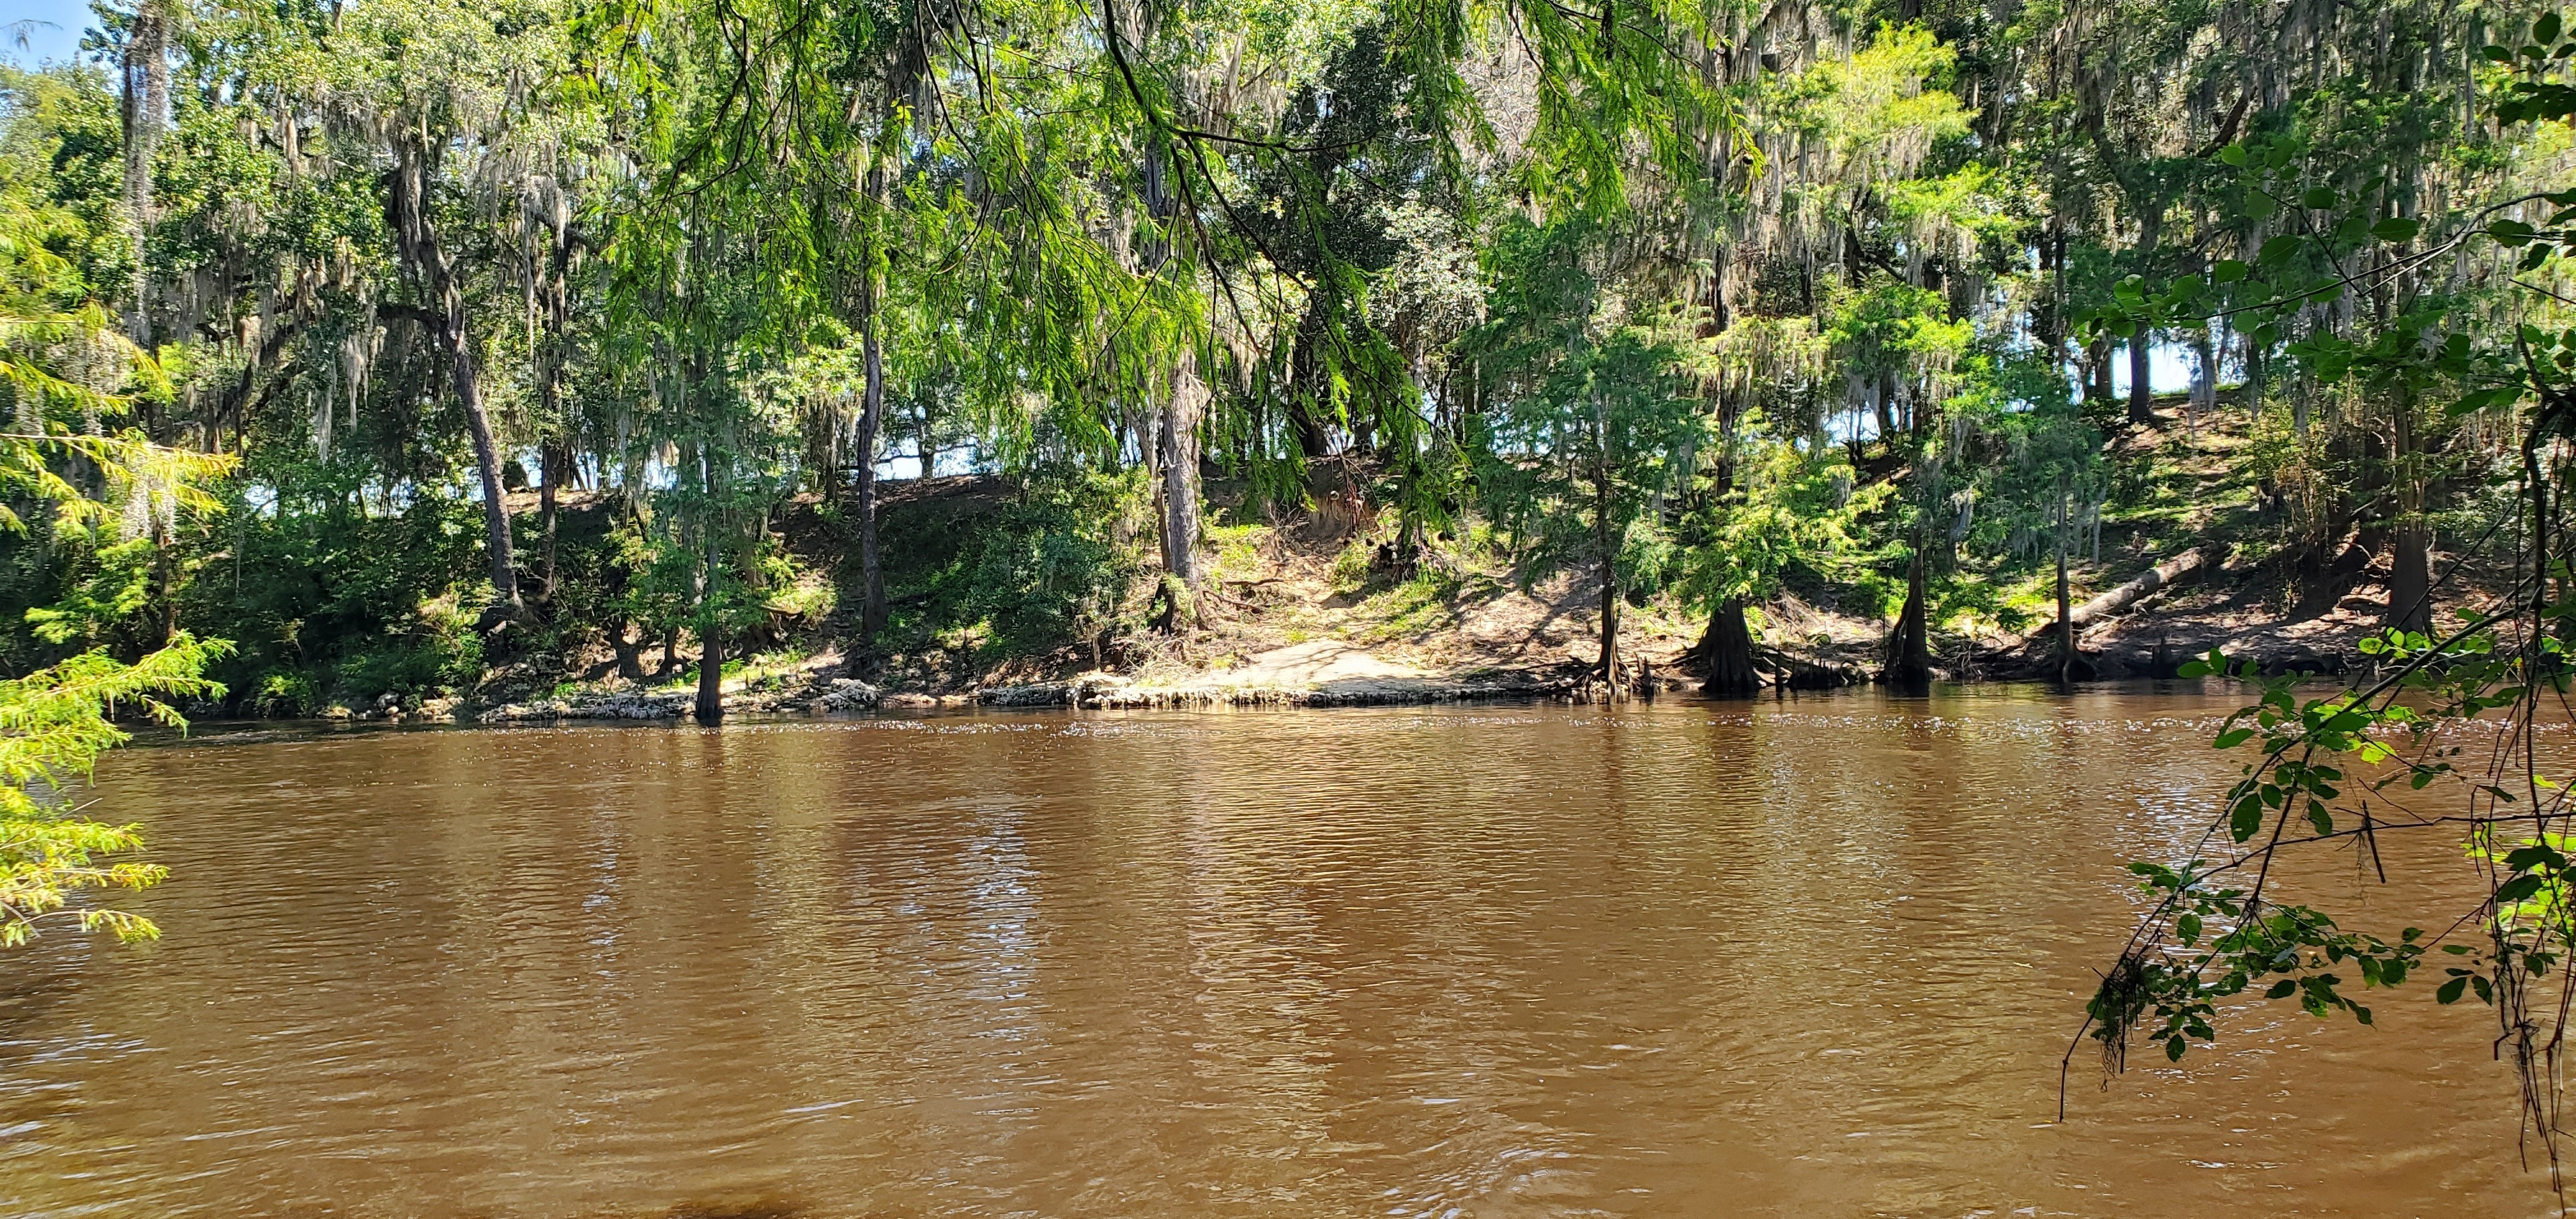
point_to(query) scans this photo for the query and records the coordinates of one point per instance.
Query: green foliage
(1593, 415)
(2227, 939)
(1789, 508)
(1035, 573)
(53, 725)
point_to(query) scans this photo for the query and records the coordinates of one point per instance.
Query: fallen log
(2163, 575)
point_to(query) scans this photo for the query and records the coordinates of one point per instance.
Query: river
(1816, 957)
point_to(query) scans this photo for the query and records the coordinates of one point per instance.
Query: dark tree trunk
(872, 607)
(2410, 577)
(2065, 614)
(1726, 652)
(2097, 371)
(670, 652)
(550, 284)
(409, 205)
(872, 604)
(2142, 344)
(487, 458)
(710, 707)
(2142, 405)
(630, 652)
(1909, 646)
(1609, 662)
(553, 463)
(1610, 675)
(2204, 360)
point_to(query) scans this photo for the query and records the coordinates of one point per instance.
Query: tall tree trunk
(710, 708)
(2065, 615)
(1726, 651)
(2142, 345)
(1909, 646)
(872, 604)
(2097, 372)
(1610, 675)
(553, 463)
(670, 653)
(2204, 359)
(550, 285)
(487, 457)
(418, 241)
(2410, 576)
(2142, 396)
(147, 108)
(1180, 462)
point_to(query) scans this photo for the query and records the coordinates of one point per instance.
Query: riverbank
(1281, 634)
(1011, 594)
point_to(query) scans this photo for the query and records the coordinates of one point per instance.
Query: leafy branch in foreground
(53, 725)
(2452, 716)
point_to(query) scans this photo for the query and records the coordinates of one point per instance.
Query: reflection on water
(1816, 957)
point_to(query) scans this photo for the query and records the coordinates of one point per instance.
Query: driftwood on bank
(2175, 570)
(1782, 670)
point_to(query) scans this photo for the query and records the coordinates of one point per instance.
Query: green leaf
(2247, 818)
(2450, 992)
(2517, 889)
(2174, 1047)
(2397, 228)
(2484, 399)
(2231, 738)
(2545, 29)
(2318, 197)
(2233, 154)
(2227, 271)
(2509, 233)
(2282, 989)
(2278, 250)
(2524, 859)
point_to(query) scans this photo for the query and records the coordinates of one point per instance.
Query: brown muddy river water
(1814, 958)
